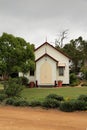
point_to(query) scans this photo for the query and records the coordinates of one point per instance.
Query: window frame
(61, 71)
(31, 72)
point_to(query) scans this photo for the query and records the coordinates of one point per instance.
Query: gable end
(46, 55)
(46, 43)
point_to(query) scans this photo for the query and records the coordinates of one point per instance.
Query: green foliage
(73, 80)
(84, 70)
(82, 98)
(35, 103)
(15, 80)
(2, 97)
(51, 103)
(12, 88)
(11, 100)
(55, 96)
(15, 101)
(73, 50)
(67, 106)
(77, 50)
(21, 102)
(79, 105)
(73, 105)
(15, 55)
(24, 80)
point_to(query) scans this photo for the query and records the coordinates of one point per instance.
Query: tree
(84, 71)
(15, 53)
(73, 50)
(83, 47)
(59, 42)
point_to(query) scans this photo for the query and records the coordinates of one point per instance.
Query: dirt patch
(16, 118)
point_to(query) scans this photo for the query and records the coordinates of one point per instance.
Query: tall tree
(15, 53)
(73, 50)
(83, 48)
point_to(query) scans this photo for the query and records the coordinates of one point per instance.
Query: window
(31, 73)
(61, 71)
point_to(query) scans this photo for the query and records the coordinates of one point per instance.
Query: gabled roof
(46, 43)
(44, 56)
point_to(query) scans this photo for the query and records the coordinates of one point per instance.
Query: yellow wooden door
(46, 73)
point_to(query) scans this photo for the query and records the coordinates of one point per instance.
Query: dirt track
(13, 118)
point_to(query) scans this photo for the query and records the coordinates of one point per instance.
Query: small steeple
(46, 46)
(46, 39)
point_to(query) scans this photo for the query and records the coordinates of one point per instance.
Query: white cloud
(35, 19)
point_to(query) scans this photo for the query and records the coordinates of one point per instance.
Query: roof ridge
(52, 47)
(45, 54)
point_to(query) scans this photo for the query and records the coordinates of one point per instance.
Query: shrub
(79, 105)
(75, 83)
(82, 98)
(21, 102)
(51, 103)
(11, 101)
(35, 103)
(24, 80)
(55, 96)
(67, 106)
(84, 71)
(2, 97)
(73, 80)
(17, 101)
(16, 80)
(12, 88)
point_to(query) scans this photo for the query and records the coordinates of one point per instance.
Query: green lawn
(41, 93)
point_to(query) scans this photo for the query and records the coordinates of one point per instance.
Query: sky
(38, 20)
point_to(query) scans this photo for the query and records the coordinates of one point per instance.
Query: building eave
(46, 43)
(44, 56)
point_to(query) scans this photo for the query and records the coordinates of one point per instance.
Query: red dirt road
(16, 118)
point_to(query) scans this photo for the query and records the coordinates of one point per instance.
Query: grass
(41, 93)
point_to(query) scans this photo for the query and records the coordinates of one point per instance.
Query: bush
(15, 80)
(24, 80)
(11, 101)
(2, 97)
(17, 101)
(82, 98)
(84, 71)
(75, 83)
(35, 103)
(12, 88)
(21, 102)
(55, 96)
(79, 105)
(51, 103)
(73, 80)
(67, 106)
